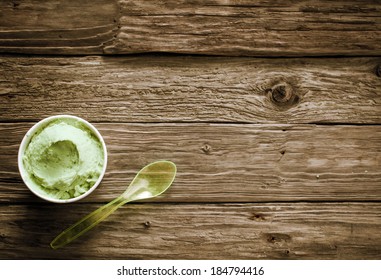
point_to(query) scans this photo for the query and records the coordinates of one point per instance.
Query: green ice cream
(63, 159)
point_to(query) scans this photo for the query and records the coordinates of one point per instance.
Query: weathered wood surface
(227, 163)
(270, 28)
(278, 158)
(192, 89)
(207, 231)
(57, 26)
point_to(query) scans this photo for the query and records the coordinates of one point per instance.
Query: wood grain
(191, 89)
(287, 28)
(228, 163)
(217, 27)
(57, 26)
(208, 231)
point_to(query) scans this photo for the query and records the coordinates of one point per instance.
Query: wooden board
(188, 231)
(228, 163)
(278, 157)
(56, 26)
(217, 27)
(191, 89)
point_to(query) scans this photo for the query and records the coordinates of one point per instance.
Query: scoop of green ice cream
(63, 159)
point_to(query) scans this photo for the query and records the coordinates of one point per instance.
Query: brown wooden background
(270, 109)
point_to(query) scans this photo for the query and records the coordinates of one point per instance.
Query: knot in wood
(258, 217)
(283, 96)
(280, 94)
(277, 237)
(147, 224)
(206, 148)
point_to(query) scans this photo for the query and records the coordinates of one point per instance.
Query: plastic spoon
(151, 181)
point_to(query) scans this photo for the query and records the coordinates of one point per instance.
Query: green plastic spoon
(151, 181)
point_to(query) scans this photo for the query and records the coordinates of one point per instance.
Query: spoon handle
(87, 223)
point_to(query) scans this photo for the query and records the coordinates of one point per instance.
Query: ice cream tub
(62, 158)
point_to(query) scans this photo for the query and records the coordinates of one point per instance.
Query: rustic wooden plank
(222, 27)
(57, 26)
(289, 28)
(193, 231)
(228, 163)
(192, 89)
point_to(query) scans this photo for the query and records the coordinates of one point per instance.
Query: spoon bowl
(151, 181)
